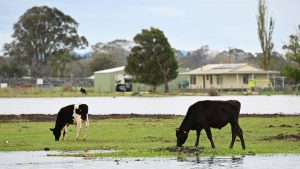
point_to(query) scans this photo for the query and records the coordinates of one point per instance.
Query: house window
(193, 79)
(219, 79)
(207, 77)
(211, 79)
(245, 79)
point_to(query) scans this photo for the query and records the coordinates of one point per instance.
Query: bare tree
(265, 31)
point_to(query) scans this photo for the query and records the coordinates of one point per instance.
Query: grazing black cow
(207, 114)
(83, 91)
(68, 115)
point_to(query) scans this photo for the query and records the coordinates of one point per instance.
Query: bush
(67, 87)
(213, 92)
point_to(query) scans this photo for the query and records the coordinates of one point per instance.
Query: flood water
(40, 159)
(148, 105)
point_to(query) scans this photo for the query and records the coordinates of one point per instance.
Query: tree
(152, 61)
(59, 65)
(11, 67)
(116, 49)
(80, 67)
(292, 71)
(101, 61)
(265, 34)
(195, 59)
(41, 32)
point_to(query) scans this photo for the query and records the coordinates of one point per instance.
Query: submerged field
(153, 136)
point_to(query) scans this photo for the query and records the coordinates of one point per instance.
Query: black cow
(68, 115)
(207, 114)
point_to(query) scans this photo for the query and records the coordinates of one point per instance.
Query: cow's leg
(233, 134)
(65, 132)
(78, 122)
(198, 136)
(240, 134)
(209, 136)
(85, 128)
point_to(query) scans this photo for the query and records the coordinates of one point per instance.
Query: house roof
(234, 68)
(116, 69)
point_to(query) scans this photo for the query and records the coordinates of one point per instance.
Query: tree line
(44, 40)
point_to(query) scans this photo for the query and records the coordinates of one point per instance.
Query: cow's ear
(51, 129)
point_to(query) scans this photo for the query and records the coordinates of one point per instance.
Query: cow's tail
(238, 105)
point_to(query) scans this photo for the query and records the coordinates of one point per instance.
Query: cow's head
(56, 133)
(77, 108)
(181, 136)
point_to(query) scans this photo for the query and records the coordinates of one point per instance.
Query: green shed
(106, 80)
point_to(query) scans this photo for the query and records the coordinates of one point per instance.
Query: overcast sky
(188, 24)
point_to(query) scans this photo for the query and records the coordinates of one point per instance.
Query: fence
(15, 82)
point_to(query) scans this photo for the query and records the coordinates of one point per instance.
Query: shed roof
(116, 69)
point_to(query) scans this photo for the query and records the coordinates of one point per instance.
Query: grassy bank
(52, 92)
(148, 137)
(74, 92)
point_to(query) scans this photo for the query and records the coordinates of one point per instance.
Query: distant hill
(188, 59)
(113, 46)
(184, 52)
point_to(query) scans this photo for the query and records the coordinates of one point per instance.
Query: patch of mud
(285, 125)
(282, 126)
(184, 150)
(151, 124)
(81, 153)
(282, 136)
(156, 139)
(28, 117)
(52, 117)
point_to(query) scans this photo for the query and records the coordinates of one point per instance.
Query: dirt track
(48, 117)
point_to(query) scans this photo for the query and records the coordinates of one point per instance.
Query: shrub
(213, 92)
(67, 87)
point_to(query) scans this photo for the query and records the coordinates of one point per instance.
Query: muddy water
(40, 159)
(147, 105)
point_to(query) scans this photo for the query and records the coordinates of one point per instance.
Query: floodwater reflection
(41, 159)
(214, 162)
(286, 161)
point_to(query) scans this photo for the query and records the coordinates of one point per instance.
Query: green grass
(149, 137)
(53, 92)
(74, 92)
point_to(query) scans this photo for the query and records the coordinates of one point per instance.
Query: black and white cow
(75, 113)
(83, 91)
